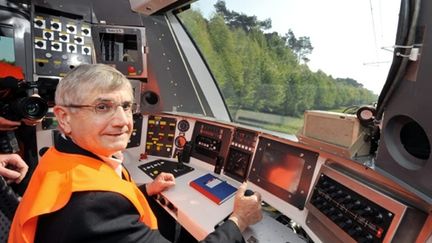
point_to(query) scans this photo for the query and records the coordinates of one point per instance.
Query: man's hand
(247, 209)
(12, 167)
(31, 122)
(8, 125)
(162, 182)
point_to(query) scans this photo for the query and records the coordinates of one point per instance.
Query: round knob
(325, 183)
(367, 211)
(78, 39)
(248, 193)
(39, 22)
(345, 199)
(345, 224)
(56, 46)
(322, 205)
(317, 200)
(355, 205)
(55, 25)
(180, 141)
(379, 218)
(63, 37)
(48, 35)
(39, 44)
(336, 194)
(86, 31)
(71, 28)
(336, 216)
(331, 189)
(366, 239)
(72, 48)
(86, 50)
(355, 231)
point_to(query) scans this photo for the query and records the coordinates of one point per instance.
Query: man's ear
(63, 118)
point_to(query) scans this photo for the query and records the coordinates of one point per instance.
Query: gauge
(366, 115)
(237, 164)
(180, 141)
(183, 126)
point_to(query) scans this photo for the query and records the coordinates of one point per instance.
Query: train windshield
(274, 60)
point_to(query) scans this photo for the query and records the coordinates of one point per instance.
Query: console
(343, 209)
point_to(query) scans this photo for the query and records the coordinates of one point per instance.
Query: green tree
(301, 46)
(263, 72)
(238, 20)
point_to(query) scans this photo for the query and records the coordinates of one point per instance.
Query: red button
(131, 69)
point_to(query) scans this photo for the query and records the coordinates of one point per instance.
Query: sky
(351, 38)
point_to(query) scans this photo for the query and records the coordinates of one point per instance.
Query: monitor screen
(284, 170)
(119, 47)
(7, 47)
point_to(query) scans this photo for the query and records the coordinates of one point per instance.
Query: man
(80, 191)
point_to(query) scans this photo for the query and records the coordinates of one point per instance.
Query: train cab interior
(341, 177)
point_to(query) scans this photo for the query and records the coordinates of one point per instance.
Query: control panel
(353, 211)
(180, 141)
(154, 168)
(240, 154)
(160, 136)
(135, 139)
(354, 214)
(60, 44)
(210, 142)
(122, 47)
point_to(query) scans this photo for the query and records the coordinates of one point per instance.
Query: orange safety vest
(56, 177)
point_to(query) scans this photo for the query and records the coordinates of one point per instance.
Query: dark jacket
(107, 217)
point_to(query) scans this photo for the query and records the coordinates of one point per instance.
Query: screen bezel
(297, 198)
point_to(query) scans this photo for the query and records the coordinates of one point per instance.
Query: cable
(374, 29)
(398, 68)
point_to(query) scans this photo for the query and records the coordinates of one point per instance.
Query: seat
(9, 203)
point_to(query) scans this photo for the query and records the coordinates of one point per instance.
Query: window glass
(275, 59)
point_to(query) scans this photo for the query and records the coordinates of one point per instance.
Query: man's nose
(121, 116)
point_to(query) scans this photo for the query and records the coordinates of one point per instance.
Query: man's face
(102, 133)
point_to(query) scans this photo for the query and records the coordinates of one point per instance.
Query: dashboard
(307, 185)
(312, 188)
(316, 190)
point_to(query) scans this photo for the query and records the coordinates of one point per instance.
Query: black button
(48, 35)
(39, 23)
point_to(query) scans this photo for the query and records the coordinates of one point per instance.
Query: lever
(249, 192)
(184, 155)
(219, 164)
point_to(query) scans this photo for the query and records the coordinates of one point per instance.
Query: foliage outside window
(264, 76)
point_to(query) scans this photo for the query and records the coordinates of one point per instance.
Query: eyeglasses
(108, 108)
